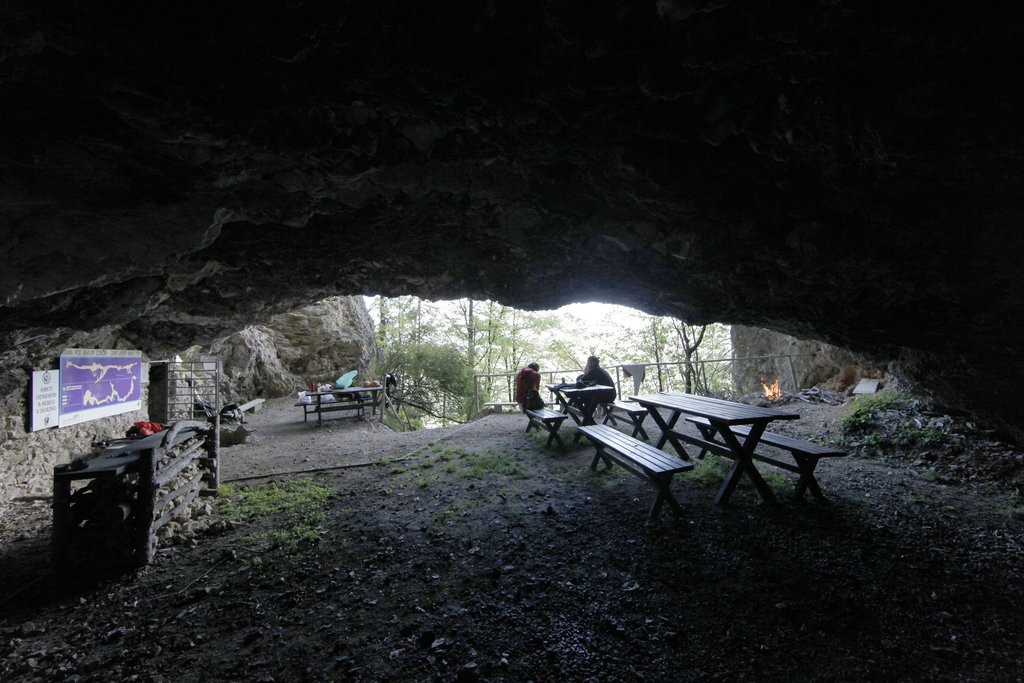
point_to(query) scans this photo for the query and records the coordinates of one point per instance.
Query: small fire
(772, 392)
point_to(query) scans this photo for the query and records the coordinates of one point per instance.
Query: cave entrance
(455, 358)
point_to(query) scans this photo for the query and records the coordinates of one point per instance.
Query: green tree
(690, 337)
(434, 381)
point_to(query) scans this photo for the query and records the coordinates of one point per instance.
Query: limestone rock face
(810, 363)
(317, 343)
(848, 172)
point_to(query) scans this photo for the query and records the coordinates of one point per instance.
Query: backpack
(533, 400)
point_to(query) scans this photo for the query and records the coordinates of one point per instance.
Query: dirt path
(472, 553)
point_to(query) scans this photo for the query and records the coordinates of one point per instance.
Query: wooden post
(145, 539)
(61, 523)
(212, 446)
(476, 394)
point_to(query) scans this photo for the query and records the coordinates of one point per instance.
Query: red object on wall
(146, 428)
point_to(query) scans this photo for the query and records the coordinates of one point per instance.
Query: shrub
(868, 409)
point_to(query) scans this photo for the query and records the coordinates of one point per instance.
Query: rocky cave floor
(474, 553)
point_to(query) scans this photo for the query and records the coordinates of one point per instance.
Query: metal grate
(193, 389)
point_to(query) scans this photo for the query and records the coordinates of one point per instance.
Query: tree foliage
(436, 348)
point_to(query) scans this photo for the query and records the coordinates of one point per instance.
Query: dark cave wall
(807, 363)
(838, 171)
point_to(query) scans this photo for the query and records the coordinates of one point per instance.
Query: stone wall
(27, 459)
(811, 363)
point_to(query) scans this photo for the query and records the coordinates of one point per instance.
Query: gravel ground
(473, 553)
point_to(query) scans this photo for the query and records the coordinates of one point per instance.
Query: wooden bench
(642, 459)
(253, 405)
(805, 454)
(549, 420)
(500, 406)
(634, 411)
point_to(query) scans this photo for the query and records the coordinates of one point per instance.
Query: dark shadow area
(478, 554)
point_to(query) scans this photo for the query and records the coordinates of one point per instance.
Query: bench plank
(634, 411)
(549, 420)
(253, 405)
(639, 458)
(806, 454)
(793, 444)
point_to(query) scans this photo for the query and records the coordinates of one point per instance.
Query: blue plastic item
(345, 381)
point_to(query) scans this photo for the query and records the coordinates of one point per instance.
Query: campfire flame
(772, 392)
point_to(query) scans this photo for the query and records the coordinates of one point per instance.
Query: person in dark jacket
(593, 373)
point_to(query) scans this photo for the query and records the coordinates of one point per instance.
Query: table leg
(599, 455)
(666, 431)
(638, 425)
(562, 402)
(806, 466)
(589, 407)
(666, 427)
(662, 485)
(709, 435)
(743, 462)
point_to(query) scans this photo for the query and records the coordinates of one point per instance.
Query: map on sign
(96, 383)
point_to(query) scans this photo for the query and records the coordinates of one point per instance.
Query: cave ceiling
(836, 170)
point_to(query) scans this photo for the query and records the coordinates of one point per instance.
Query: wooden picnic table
(578, 402)
(319, 406)
(723, 416)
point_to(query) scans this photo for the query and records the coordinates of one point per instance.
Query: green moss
(471, 465)
(297, 509)
(1013, 511)
(477, 466)
(289, 498)
(710, 471)
(889, 423)
(867, 410)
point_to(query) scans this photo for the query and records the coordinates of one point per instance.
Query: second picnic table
(578, 402)
(722, 416)
(358, 398)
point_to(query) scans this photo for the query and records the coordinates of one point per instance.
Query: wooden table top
(347, 390)
(714, 409)
(575, 390)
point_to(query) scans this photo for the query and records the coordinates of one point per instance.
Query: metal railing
(661, 381)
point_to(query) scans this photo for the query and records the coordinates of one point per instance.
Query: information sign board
(45, 399)
(97, 383)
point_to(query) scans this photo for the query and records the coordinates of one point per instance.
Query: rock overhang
(838, 172)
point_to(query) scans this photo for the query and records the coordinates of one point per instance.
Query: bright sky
(601, 314)
(594, 321)
(595, 314)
